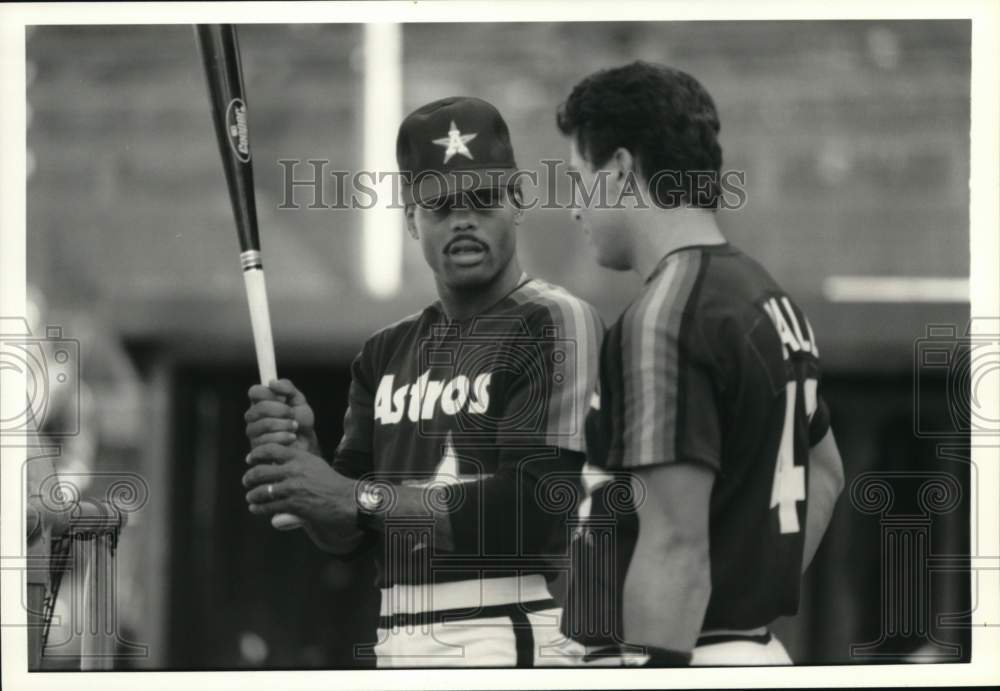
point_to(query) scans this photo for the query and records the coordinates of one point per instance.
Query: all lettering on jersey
(422, 399)
(789, 485)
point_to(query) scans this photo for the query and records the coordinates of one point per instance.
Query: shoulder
(689, 307)
(670, 299)
(547, 305)
(733, 273)
(734, 296)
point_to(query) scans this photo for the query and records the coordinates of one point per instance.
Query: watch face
(369, 499)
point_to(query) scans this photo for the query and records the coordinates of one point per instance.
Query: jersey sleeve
(670, 410)
(353, 456)
(812, 381)
(819, 425)
(548, 399)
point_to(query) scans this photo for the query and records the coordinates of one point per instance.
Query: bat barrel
(224, 73)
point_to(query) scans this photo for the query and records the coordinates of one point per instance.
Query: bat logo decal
(236, 125)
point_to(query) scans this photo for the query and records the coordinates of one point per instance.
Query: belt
(516, 612)
(512, 610)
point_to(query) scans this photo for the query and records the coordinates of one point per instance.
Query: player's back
(714, 364)
(769, 374)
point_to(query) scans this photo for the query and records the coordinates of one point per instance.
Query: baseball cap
(454, 144)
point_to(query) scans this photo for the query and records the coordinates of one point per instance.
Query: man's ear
(411, 223)
(518, 199)
(622, 163)
(627, 179)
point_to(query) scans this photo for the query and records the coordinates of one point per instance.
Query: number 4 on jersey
(789, 485)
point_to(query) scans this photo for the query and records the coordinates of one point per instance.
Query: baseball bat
(220, 54)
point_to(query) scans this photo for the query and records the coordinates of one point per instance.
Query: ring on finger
(270, 491)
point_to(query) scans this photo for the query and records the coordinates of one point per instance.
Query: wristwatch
(370, 500)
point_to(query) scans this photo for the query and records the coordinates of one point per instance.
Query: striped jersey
(713, 363)
(493, 407)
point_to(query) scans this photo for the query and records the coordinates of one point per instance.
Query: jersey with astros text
(491, 410)
(713, 363)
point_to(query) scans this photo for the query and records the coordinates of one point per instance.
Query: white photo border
(985, 302)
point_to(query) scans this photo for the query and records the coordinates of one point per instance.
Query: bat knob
(285, 521)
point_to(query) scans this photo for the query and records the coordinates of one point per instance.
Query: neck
(659, 234)
(467, 301)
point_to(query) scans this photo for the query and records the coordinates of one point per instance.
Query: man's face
(467, 239)
(602, 224)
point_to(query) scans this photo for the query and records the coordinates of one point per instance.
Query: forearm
(826, 482)
(823, 495)
(666, 593)
(478, 517)
(520, 510)
(465, 517)
(669, 580)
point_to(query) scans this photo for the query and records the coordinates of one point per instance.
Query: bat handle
(260, 317)
(260, 321)
(285, 521)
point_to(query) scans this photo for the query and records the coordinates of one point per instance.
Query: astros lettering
(423, 398)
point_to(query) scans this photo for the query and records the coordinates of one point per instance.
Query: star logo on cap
(455, 143)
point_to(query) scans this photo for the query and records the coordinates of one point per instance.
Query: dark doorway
(244, 595)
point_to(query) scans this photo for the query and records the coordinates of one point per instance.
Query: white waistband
(485, 592)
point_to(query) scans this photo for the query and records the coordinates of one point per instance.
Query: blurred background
(854, 139)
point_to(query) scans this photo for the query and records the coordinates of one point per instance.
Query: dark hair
(663, 116)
